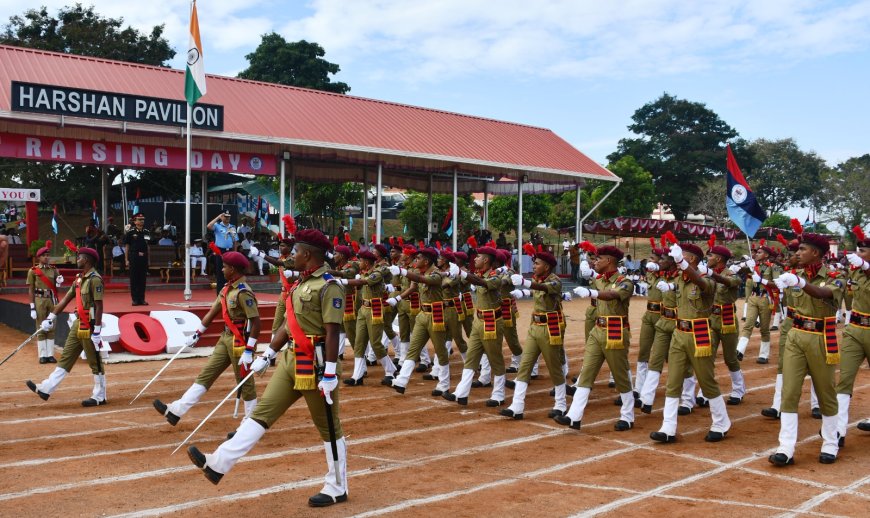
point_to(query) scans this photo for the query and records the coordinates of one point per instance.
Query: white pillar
(365, 211)
(429, 214)
(578, 232)
(291, 209)
(282, 190)
(520, 225)
(485, 223)
(203, 196)
(124, 197)
(187, 293)
(455, 222)
(104, 199)
(378, 197)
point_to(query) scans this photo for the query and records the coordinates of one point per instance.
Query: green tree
(681, 143)
(298, 63)
(79, 30)
(635, 197)
(562, 213)
(324, 203)
(503, 212)
(781, 174)
(777, 220)
(844, 194)
(415, 214)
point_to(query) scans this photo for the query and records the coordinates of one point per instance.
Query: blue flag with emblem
(743, 207)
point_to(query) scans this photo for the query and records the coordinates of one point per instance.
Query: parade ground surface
(413, 453)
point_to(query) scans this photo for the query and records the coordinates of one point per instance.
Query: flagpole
(187, 293)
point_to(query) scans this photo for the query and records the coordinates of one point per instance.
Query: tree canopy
(844, 194)
(298, 63)
(503, 212)
(781, 174)
(415, 214)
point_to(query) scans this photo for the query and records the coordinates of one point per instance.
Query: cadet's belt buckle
(864, 321)
(685, 325)
(809, 325)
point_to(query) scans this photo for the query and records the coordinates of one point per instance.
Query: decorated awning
(647, 227)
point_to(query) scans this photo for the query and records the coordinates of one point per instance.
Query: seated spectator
(165, 239)
(118, 256)
(197, 256)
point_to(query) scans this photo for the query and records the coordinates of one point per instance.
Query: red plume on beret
(762, 242)
(335, 241)
(588, 247)
(401, 241)
(652, 242)
(289, 224)
(670, 238)
(438, 245)
(72, 247)
(857, 230)
(48, 244)
(420, 244)
(529, 249)
(409, 250)
(392, 241)
(712, 241)
(781, 239)
(213, 247)
(347, 238)
(796, 226)
(355, 246)
(491, 243)
(471, 241)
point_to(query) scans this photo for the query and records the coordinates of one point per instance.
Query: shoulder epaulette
(328, 277)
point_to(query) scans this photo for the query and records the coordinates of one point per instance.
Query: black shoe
(50, 359)
(371, 363)
(553, 391)
(352, 382)
(32, 386)
(387, 381)
(841, 442)
(554, 413)
(622, 426)
(827, 458)
(757, 324)
(161, 408)
(570, 390)
(817, 414)
(534, 376)
(617, 401)
(780, 459)
(93, 402)
(740, 354)
(684, 410)
(762, 361)
(662, 437)
(507, 412)
(493, 403)
(702, 402)
(771, 413)
(637, 402)
(43, 360)
(478, 384)
(511, 384)
(462, 401)
(422, 368)
(429, 377)
(198, 459)
(743, 319)
(611, 384)
(574, 380)
(774, 328)
(511, 370)
(322, 500)
(231, 435)
(864, 426)
(715, 436)
(449, 396)
(437, 393)
(734, 400)
(399, 389)
(340, 357)
(646, 409)
(566, 421)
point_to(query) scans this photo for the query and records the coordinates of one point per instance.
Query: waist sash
(699, 328)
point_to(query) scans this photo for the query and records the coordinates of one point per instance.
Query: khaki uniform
(368, 328)
(454, 314)
(855, 348)
(591, 316)
(510, 317)
(488, 299)
(726, 295)
(281, 308)
(758, 302)
(694, 306)
(652, 315)
(389, 311)
(424, 326)
(405, 314)
(467, 306)
(350, 271)
(92, 290)
(542, 339)
(600, 347)
(241, 307)
(43, 297)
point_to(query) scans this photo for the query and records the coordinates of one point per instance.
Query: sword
(224, 400)
(157, 375)
(20, 346)
(330, 425)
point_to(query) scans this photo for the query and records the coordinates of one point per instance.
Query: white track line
(820, 499)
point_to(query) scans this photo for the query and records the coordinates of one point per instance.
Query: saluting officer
(136, 243)
(226, 238)
(84, 334)
(43, 280)
(308, 369)
(237, 306)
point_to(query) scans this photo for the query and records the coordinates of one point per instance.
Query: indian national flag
(194, 76)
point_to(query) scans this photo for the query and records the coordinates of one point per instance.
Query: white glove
(704, 270)
(473, 288)
(652, 267)
(756, 278)
(677, 253)
(48, 323)
(750, 263)
(247, 358)
(501, 269)
(191, 341)
(329, 382)
(58, 280)
(856, 261)
(453, 270)
(255, 252)
(343, 282)
(566, 296)
(95, 337)
(663, 286)
(463, 274)
(395, 270)
(392, 301)
(585, 270)
(779, 284)
(357, 277)
(262, 363)
(582, 292)
(734, 268)
(389, 288)
(790, 280)
(518, 280)
(32, 311)
(289, 274)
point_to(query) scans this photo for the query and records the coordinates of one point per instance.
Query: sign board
(19, 195)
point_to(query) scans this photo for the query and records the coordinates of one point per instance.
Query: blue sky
(771, 68)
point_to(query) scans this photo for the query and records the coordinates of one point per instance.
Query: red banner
(137, 156)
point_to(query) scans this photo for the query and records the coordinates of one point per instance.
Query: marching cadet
(648, 322)
(608, 341)
(811, 347)
(237, 306)
(43, 280)
(723, 321)
(84, 333)
(309, 368)
(465, 288)
(286, 275)
(509, 310)
(762, 299)
(430, 324)
(790, 266)
(383, 261)
(346, 268)
(690, 344)
(453, 310)
(856, 335)
(546, 335)
(369, 319)
(407, 306)
(486, 332)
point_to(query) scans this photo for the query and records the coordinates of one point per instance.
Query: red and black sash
(457, 303)
(377, 305)
(84, 317)
(729, 323)
(489, 318)
(506, 312)
(554, 327)
(238, 337)
(349, 304)
(414, 300)
(45, 280)
(303, 347)
(832, 348)
(699, 328)
(468, 302)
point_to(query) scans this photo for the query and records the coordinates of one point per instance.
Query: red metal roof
(255, 111)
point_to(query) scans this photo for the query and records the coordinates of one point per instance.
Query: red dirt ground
(411, 453)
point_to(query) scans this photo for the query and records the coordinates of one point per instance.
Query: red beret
(89, 252)
(488, 250)
(815, 240)
(430, 253)
(234, 259)
(721, 250)
(344, 250)
(45, 249)
(315, 238)
(506, 256)
(693, 249)
(794, 244)
(289, 241)
(381, 250)
(409, 250)
(773, 252)
(547, 257)
(449, 256)
(367, 255)
(610, 250)
(462, 256)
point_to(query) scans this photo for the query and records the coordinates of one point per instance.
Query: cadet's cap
(721, 250)
(817, 241)
(89, 252)
(313, 237)
(235, 259)
(547, 257)
(612, 251)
